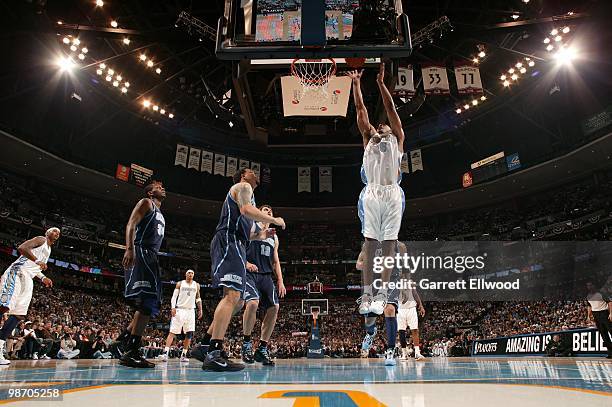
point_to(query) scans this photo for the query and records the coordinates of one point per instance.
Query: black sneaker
(133, 358)
(262, 356)
(215, 362)
(199, 352)
(247, 353)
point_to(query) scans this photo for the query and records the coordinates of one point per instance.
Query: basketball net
(315, 316)
(314, 75)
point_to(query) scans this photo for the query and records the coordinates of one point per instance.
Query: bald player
(184, 300)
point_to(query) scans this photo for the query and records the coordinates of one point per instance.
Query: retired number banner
(405, 82)
(468, 80)
(435, 80)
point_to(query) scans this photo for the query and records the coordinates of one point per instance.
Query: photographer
(100, 349)
(67, 346)
(559, 347)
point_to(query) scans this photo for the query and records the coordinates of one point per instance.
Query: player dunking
(144, 234)
(185, 297)
(262, 261)
(228, 255)
(381, 203)
(18, 282)
(407, 318)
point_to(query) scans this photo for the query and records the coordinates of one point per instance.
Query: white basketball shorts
(183, 321)
(380, 210)
(16, 291)
(407, 318)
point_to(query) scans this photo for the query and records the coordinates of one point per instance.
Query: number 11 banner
(435, 80)
(468, 79)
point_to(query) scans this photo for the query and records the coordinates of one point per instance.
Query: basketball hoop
(314, 75)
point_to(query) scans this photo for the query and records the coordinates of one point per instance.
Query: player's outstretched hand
(42, 265)
(128, 259)
(380, 78)
(354, 74)
(47, 282)
(280, 222)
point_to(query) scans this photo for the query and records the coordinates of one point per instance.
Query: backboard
(308, 305)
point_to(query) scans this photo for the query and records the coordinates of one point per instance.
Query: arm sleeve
(174, 298)
(40, 275)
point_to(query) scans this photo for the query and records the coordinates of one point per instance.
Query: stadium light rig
(149, 63)
(155, 107)
(114, 79)
(555, 40)
(471, 104)
(513, 74)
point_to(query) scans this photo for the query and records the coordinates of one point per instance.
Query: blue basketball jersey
(150, 230)
(232, 224)
(261, 253)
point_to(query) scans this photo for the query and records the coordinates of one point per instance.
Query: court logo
(325, 398)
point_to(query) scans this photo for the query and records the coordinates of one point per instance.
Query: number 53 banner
(435, 80)
(468, 79)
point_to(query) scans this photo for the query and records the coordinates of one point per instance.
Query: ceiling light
(549, 47)
(466, 106)
(110, 71)
(124, 90)
(149, 63)
(146, 103)
(506, 83)
(458, 111)
(66, 40)
(102, 66)
(514, 77)
(99, 72)
(515, 16)
(99, 3)
(554, 32)
(171, 116)
(474, 102)
(566, 30)
(519, 64)
(475, 60)
(66, 64)
(511, 70)
(531, 63)
(558, 38)
(108, 78)
(114, 24)
(482, 54)
(81, 57)
(127, 84)
(483, 98)
(126, 41)
(158, 71)
(76, 41)
(143, 57)
(73, 48)
(84, 50)
(155, 107)
(163, 111)
(523, 70)
(115, 83)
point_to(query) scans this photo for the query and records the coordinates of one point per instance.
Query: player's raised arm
(25, 249)
(363, 120)
(394, 121)
(243, 194)
(140, 210)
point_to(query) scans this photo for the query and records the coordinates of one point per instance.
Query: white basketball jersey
(30, 268)
(381, 161)
(407, 300)
(187, 295)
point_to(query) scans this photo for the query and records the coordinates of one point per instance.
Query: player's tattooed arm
(25, 249)
(394, 121)
(242, 193)
(143, 207)
(363, 120)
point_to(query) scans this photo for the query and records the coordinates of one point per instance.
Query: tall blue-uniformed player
(228, 256)
(262, 261)
(143, 238)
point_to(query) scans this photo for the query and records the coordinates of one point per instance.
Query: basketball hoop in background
(315, 287)
(314, 75)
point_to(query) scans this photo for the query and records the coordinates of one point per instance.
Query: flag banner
(232, 166)
(256, 167)
(182, 151)
(468, 80)
(244, 163)
(404, 164)
(416, 160)
(435, 80)
(325, 179)
(219, 164)
(405, 82)
(194, 158)
(303, 183)
(123, 172)
(207, 161)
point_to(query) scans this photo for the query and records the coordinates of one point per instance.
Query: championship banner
(404, 164)
(182, 151)
(325, 179)
(416, 160)
(140, 175)
(513, 161)
(303, 184)
(467, 180)
(207, 162)
(244, 163)
(468, 80)
(586, 341)
(256, 167)
(232, 166)
(435, 80)
(219, 164)
(298, 103)
(122, 173)
(194, 158)
(405, 82)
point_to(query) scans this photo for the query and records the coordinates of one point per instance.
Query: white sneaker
(3, 361)
(364, 304)
(389, 359)
(404, 353)
(378, 304)
(35, 356)
(184, 359)
(163, 357)
(418, 356)
(46, 357)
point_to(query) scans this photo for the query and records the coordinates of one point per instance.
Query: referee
(600, 310)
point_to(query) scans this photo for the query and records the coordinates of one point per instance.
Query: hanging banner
(182, 151)
(207, 162)
(266, 176)
(140, 175)
(416, 160)
(325, 179)
(194, 158)
(404, 164)
(303, 183)
(122, 173)
(468, 80)
(513, 161)
(405, 82)
(435, 80)
(256, 168)
(244, 163)
(232, 166)
(467, 180)
(219, 164)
